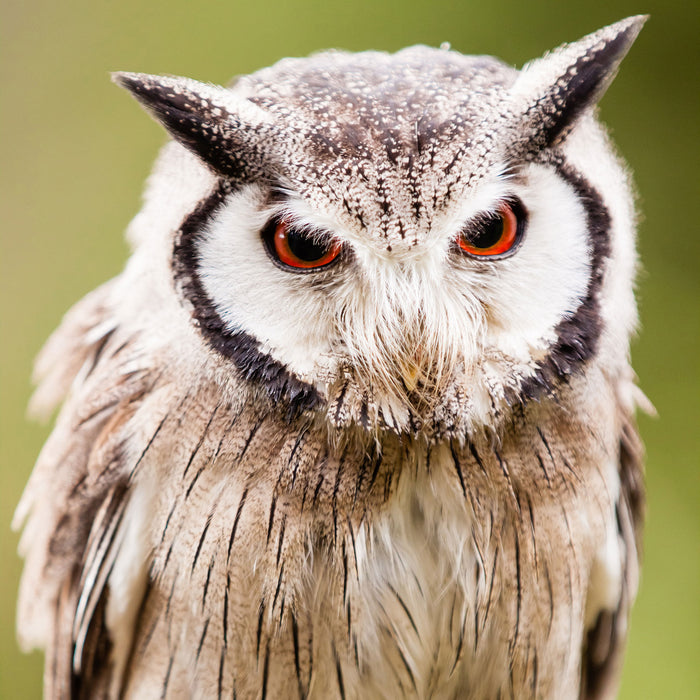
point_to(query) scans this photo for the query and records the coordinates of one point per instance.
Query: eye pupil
(304, 247)
(488, 234)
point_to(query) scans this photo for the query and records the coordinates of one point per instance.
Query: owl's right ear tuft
(224, 130)
(556, 89)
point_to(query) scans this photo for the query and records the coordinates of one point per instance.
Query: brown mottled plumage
(413, 472)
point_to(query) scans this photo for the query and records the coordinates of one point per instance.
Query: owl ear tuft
(553, 91)
(223, 129)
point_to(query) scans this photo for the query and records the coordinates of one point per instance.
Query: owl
(357, 418)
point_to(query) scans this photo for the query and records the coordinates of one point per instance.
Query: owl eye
(298, 249)
(497, 234)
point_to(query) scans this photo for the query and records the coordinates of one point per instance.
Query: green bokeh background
(75, 151)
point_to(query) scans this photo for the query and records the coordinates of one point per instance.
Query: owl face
(400, 242)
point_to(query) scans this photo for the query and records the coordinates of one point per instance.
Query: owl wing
(605, 641)
(74, 504)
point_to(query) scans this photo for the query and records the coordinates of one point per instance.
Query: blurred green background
(75, 152)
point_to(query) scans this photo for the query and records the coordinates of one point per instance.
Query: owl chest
(413, 595)
(414, 613)
(448, 596)
(438, 592)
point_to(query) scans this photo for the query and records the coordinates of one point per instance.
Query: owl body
(357, 418)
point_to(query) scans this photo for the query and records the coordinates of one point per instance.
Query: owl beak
(410, 372)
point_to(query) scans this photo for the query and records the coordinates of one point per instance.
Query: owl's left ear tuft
(553, 91)
(224, 130)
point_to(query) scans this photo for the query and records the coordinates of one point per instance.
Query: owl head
(417, 242)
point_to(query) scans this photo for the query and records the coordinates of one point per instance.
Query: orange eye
(300, 250)
(497, 234)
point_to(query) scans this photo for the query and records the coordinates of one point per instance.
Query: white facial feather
(376, 310)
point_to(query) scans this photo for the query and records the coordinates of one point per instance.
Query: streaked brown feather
(72, 526)
(605, 641)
